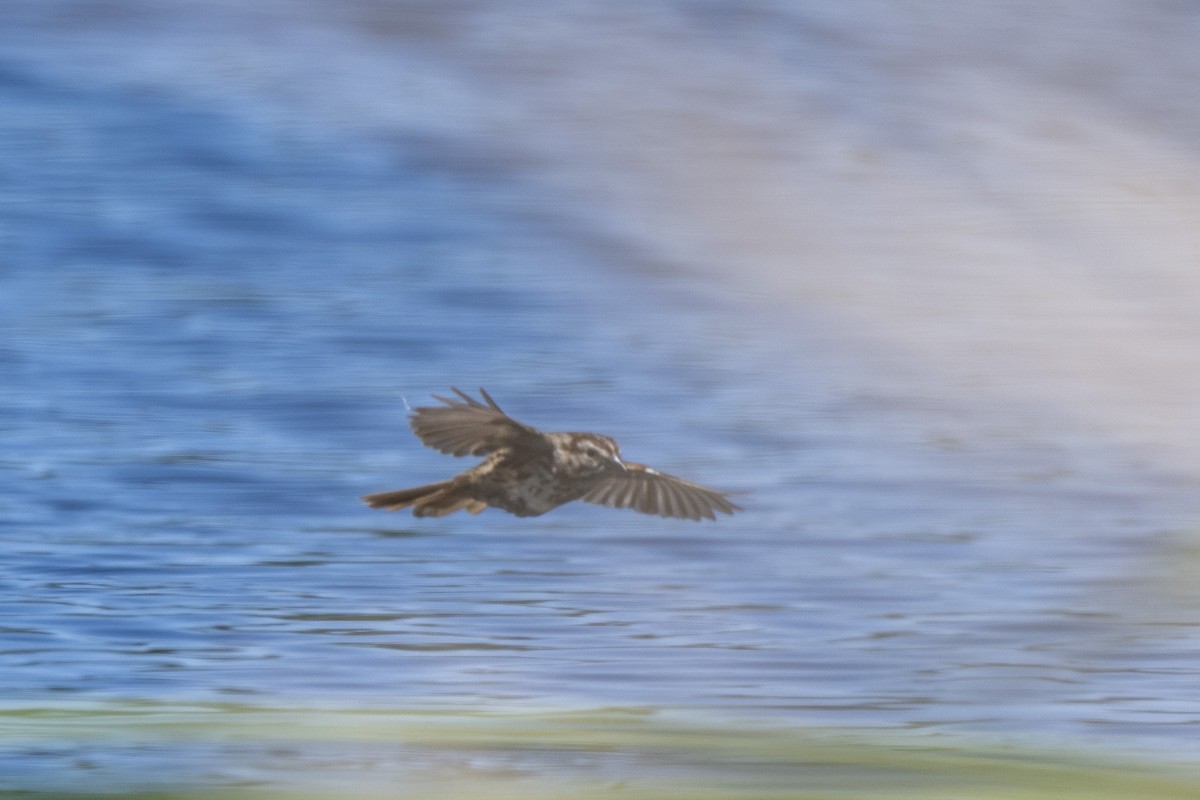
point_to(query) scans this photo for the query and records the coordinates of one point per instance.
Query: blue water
(212, 318)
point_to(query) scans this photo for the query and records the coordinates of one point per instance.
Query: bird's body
(528, 472)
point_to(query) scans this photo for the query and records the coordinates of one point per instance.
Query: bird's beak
(620, 463)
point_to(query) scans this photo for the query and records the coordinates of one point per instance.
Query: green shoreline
(245, 751)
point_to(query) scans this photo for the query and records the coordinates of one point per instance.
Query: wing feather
(631, 494)
(687, 503)
(666, 495)
(465, 426)
(652, 492)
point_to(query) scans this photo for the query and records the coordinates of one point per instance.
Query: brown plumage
(527, 472)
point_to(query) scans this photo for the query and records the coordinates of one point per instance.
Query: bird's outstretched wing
(468, 427)
(652, 492)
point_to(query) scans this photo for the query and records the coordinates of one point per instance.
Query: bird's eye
(593, 451)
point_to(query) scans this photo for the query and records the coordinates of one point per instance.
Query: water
(218, 291)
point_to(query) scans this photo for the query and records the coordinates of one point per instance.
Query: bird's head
(593, 453)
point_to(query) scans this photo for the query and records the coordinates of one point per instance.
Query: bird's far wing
(652, 492)
(465, 426)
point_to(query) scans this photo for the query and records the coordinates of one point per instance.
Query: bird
(528, 472)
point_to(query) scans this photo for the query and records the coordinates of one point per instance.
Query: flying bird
(528, 472)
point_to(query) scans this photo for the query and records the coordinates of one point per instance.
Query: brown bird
(528, 472)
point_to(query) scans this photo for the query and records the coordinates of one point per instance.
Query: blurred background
(919, 279)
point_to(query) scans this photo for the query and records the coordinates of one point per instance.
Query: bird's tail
(430, 500)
